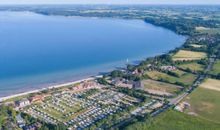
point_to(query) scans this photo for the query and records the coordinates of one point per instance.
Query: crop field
(193, 66)
(208, 30)
(212, 84)
(173, 120)
(216, 68)
(204, 102)
(160, 87)
(188, 55)
(186, 79)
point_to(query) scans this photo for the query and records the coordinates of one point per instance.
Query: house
(20, 121)
(116, 81)
(37, 98)
(178, 108)
(23, 102)
(11, 103)
(34, 126)
(88, 84)
(85, 85)
(182, 106)
(120, 82)
(138, 84)
(169, 68)
(137, 72)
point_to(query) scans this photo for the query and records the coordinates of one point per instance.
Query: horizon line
(212, 4)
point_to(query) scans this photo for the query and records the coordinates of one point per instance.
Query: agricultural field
(186, 78)
(182, 55)
(193, 66)
(208, 30)
(179, 72)
(160, 88)
(216, 68)
(212, 84)
(173, 120)
(204, 101)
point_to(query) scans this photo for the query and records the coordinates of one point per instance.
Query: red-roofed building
(37, 98)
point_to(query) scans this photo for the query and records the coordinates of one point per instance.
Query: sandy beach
(48, 88)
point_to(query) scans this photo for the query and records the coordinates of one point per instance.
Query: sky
(109, 1)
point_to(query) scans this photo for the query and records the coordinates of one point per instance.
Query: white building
(23, 102)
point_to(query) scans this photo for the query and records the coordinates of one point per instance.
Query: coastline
(48, 88)
(58, 85)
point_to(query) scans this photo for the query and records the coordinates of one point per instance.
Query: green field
(179, 72)
(193, 66)
(216, 68)
(186, 78)
(160, 86)
(205, 103)
(182, 55)
(172, 120)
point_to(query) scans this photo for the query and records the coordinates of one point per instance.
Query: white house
(23, 102)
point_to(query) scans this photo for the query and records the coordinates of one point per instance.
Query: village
(81, 105)
(149, 88)
(175, 89)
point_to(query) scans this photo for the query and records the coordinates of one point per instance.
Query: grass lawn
(216, 68)
(173, 120)
(192, 66)
(160, 86)
(205, 103)
(186, 79)
(179, 72)
(188, 55)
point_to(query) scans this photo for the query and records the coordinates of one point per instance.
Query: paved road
(200, 78)
(176, 100)
(196, 83)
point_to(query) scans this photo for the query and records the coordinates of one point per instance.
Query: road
(196, 83)
(176, 100)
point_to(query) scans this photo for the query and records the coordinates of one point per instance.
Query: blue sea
(38, 50)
